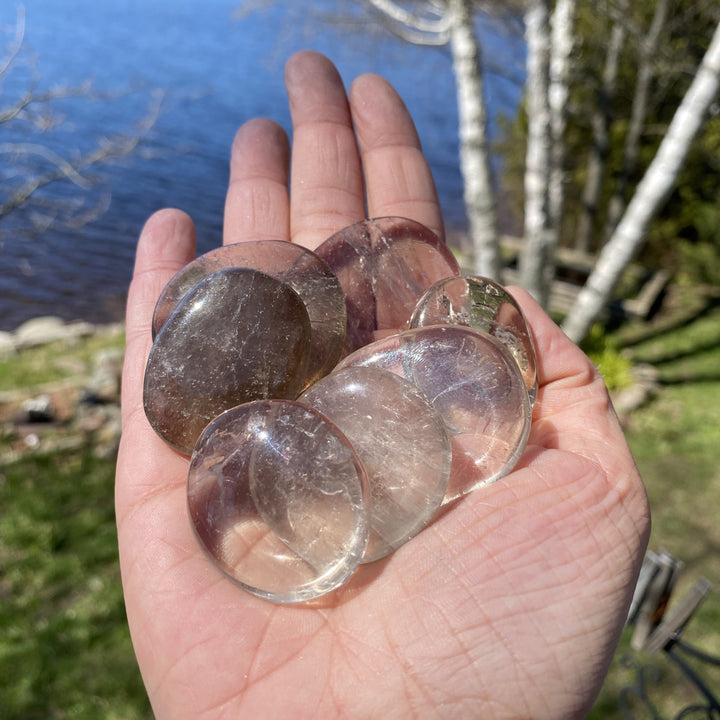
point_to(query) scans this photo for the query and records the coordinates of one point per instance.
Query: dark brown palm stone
(239, 335)
(384, 266)
(296, 266)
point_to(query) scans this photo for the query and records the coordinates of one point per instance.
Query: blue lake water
(215, 70)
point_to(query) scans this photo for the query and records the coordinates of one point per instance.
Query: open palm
(508, 606)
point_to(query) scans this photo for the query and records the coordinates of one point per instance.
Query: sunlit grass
(676, 442)
(55, 361)
(65, 650)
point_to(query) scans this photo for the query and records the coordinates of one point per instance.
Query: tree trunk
(646, 72)
(536, 260)
(479, 194)
(651, 192)
(600, 145)
(563, 20)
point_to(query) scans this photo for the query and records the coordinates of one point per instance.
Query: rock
(46, 329)
(644, 386)
(104, 383)
(38, 409)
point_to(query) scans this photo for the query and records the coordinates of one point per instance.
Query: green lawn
(676, 442)
(65, 650)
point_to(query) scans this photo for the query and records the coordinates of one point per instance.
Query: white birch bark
(432, 28)
(537, 252)
(479, 195)
(561, 47)
(651, 192)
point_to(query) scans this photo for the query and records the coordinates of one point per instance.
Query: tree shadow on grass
(676, 319)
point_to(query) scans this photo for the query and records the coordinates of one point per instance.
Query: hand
(508, 606)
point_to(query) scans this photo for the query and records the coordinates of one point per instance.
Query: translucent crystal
(276, 496)
(296, 266)
(239, 335)
(384, 266)
(484, 305)
(474, 383)
(402, 443)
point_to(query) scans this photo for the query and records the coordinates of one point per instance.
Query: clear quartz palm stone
(238, 336)
(402, 443)
(484, 305)
(474, 383)
(296, 266)
(384, 266)
(277, 498)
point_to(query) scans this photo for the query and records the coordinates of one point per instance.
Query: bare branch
(412, 27)
(108, 148)
(62, 166)
(16, 43)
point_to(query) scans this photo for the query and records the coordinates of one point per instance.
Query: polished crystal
(239, 335)
(296, 266)
(484, 305)
(402, 443)
(277, 498)
(384, 265)
(474, 383)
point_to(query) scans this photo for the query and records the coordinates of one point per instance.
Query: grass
(55, 361)
(676, 442)
(65, 651)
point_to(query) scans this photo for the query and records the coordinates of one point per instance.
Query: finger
(397, 176)
(166, 244)
(326, 178)
(561, 363)
(573, 410)
(257, 206)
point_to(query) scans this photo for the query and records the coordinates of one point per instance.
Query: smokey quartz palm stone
(238, 335)
(384, 266)
(277, 498)
(296, 266)
(402, 443)
(473, 381)
(484, 305)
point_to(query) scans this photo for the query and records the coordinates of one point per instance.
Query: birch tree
(452, 23)
(549, 34)
(649, 195)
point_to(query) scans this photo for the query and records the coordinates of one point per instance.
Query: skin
(509, 605)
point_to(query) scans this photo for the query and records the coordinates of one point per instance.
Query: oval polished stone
(276, 496)
(402, 443)
(296, 266)
(239, 335)
(484, 305)
(384, 266)
(474, 383)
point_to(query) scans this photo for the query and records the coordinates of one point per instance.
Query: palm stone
(473, 381)
(484, 305)
(384, 266)
(296, 266)
(278, 500)
(238, 335)
(402, 443)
